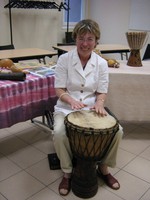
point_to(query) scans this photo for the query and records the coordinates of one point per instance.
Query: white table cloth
(129, 92)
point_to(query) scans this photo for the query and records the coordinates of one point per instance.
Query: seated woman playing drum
(81, 82)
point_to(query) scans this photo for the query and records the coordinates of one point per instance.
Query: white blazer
(80, 84)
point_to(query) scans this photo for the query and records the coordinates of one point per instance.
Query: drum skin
(90, 139)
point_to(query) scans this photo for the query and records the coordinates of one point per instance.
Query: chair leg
(112, 114)
(47, 119)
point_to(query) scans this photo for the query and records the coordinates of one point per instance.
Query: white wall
(43, 28)
(113, 17)
(35, 28)
(4, 25)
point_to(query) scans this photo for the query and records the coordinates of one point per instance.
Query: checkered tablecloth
(24, 100)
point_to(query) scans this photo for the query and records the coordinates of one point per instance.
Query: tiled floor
(25, 172)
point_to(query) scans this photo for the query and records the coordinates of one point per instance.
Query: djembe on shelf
(90, 137)
(136, 42)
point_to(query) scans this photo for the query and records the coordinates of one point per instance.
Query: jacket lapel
(89, 67)
(77, 64)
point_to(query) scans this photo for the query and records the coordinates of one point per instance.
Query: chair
(147, 53)
(66, 44)
(60, 52)
(11, 46)
(6, 47)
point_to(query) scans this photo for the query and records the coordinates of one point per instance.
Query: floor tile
(139, 167)
(7, 168)
(46, 194)
(11, 144)
(2, 197)
(33, 134)
(124, 157)
(132, 188)
(42, 172)
(27, 156)
(133, 145)
(20, 186)
(4, 133)
(25, 172)
(146, 196)
(146, 154)
(16, 128)
(45, 144)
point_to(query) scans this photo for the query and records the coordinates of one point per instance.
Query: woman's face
(85, 44)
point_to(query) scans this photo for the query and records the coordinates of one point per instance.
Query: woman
(81, 81)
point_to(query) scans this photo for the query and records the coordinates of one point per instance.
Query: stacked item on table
(8, 71)
(17, 71)
(37, 68)
(111, 62)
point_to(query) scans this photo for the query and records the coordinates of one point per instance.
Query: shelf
(23, 4)
(27, 4)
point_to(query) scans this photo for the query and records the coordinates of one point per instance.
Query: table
(104, 49)
(24, 100)
(128, 96)
(26, 54)
(129, 92)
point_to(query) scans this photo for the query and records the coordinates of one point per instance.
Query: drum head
(90, 134)
(90, 119)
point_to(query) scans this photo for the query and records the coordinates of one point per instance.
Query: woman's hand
(99, 104)
(65, 97)
(76, 105)
(99, 108)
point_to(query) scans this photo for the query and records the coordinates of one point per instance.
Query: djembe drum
(136, 42)
(90, 136)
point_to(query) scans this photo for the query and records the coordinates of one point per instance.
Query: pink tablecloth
(24, 100)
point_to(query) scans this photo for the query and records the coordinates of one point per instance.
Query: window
(75, 13)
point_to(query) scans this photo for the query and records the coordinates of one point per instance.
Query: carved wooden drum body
(136, 41)
(90, 136)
